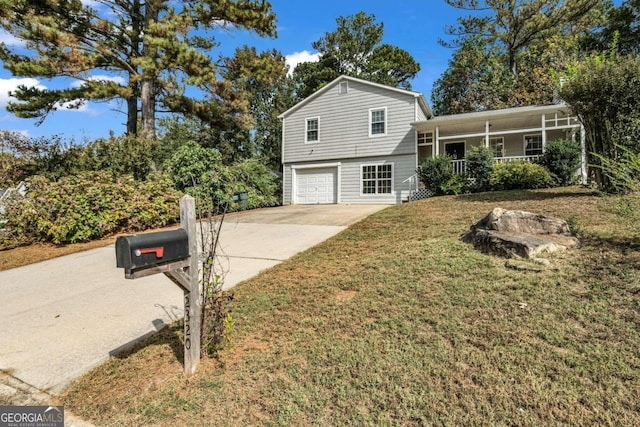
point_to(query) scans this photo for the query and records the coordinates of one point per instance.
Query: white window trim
(346, 86)
(386, 122)
(363, 194)
(306, 130)
(424, 144)
(503, 148)
(524, 144)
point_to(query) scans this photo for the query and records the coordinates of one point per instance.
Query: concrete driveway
(61, 317)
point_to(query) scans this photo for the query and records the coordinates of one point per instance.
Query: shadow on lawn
(523, 195)
(170, 335)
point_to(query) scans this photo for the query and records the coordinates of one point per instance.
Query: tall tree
(622, 27)
(515, 24)
(510, 55)
(155, 49)
(262, 79)
(355, 49)
(476, 79)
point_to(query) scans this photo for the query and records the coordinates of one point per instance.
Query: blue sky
(413, 25)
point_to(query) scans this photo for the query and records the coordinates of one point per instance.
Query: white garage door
(314, 186)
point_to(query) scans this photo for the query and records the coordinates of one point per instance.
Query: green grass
(396, 322)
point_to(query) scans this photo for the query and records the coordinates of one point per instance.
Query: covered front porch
(514, 134)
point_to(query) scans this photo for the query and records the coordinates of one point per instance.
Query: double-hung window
(312, 130)
(497, 145)
(378, 121)
(532, 145)
(377, 179)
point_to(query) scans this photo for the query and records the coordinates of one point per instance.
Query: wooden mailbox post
(165, 252)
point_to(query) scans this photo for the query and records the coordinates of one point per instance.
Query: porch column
(583, 154)
(544, 133)
(436, 141)
(486, 133)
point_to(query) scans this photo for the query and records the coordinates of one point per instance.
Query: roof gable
(421, 99)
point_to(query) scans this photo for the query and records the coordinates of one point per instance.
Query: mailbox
(140, 251)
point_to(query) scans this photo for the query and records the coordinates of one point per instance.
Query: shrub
(519, 175)
(254, 177)
(88, 206)
(457, 184)
(479, 167)
(124, 155)
(435, 173)
(562, 158)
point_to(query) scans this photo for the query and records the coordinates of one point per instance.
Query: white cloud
(10, 39)
(9, 85)
(117, 79)
(297, 57)
(79, 106)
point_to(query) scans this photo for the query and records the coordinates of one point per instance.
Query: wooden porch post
(436, 142)
(544, 133)
(486, 134)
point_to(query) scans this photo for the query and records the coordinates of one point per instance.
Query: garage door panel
(316, 186)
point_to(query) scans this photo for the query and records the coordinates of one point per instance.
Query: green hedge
(519, 175)
(89, 206)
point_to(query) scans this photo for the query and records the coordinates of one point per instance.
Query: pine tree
(153, 50)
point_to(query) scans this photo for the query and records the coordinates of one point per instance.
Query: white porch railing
(460, 165)
(413, 181)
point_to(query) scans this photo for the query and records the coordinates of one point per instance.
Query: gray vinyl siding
(350, 179)
(420, 115)
(344, 125)
(403, 168)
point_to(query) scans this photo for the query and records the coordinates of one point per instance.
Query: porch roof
(508, 117)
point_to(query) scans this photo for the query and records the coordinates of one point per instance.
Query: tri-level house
(354, 141)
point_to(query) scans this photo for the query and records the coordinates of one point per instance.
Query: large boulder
(519, 234)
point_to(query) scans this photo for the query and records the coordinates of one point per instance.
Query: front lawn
(396, 322)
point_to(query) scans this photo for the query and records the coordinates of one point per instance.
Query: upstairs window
(312, 130)
(378, 121)
(533, 145)
(343, 88)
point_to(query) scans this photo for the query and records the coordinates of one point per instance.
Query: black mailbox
(147, 250)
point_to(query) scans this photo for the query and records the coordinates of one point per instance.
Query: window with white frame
(425, 138)
(533, 145)
(343, 88)
(377, 179)
(377, 121)
(312, 130)
(497, 145)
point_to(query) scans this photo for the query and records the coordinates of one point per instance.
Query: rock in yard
(519, 234)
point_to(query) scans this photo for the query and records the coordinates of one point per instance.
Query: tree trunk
(148, 99)
(132, 114)
(147, 87)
